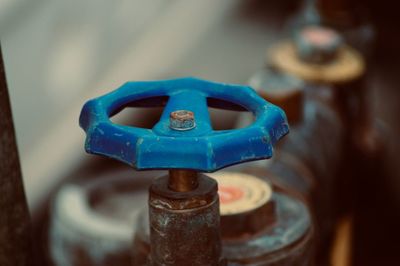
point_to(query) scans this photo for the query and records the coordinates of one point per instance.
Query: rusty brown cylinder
(184, 226)
(15, 235)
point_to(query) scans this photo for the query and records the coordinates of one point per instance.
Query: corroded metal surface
(286, 241)
(15, 237)
(78, 239)
(182, 120)
(184, 226)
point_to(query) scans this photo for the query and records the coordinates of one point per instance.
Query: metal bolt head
(317, 44)
(182, 120)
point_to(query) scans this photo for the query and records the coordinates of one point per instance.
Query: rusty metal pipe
(184, 226)
(15, 235)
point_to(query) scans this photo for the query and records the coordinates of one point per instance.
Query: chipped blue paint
(201, 148)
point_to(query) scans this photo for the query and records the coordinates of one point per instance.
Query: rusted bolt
(182, 120)
(317, 44)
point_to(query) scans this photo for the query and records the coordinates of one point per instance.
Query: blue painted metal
(200, 148)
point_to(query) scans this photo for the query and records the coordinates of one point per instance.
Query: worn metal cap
(281, 89)
(317, 44)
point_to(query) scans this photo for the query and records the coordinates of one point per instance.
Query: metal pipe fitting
(185, 226)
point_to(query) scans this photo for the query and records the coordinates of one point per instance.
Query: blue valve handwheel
(200, 148)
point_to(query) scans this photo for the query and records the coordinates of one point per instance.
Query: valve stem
(183, 180)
